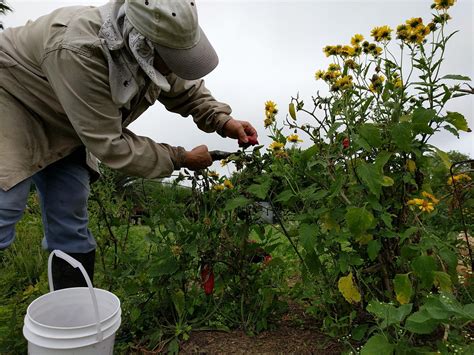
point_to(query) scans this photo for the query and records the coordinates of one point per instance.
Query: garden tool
(220, 154)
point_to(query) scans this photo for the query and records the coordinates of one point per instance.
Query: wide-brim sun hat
(173, 27)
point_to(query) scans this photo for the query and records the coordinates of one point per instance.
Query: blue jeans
(63, 189)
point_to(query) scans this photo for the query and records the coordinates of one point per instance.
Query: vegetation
(367, 229)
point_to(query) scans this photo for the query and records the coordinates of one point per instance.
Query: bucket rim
(113, 314)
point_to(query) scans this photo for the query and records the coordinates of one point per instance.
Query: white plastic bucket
(79, 321)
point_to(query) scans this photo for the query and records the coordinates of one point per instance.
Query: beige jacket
(55, 97)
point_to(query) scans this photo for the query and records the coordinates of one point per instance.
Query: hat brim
(190, 63)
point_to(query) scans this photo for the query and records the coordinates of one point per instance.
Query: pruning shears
(220, 154)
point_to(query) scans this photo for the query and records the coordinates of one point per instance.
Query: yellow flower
(422, 204)
(343, 83)
(382, 33)
(319, 74)
(294, 138)
(357, 39)
(219, 187)
(459, 177)
(430, 197)
(397, 82)
(333, 67)
(414, 22)
(330, 50)
(426, 206)
(377, 83)
(443, 4)
(228, 184)
(224, 162)
(347, 51)
(276, 146)
(270, 108)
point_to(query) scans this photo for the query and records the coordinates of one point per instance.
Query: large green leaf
(237, 202)
(260, 190)
(402, 136)
(359, 220)
(308, 236)
(371, 177)
(371, 134)
(373, 248)
(421, 322)
(458, 121)
(403, 288)
(421, 118)
(377, 345)
(444, 158)
(424, 267)
(388, 313)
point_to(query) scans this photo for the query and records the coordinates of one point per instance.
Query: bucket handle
(76, 264)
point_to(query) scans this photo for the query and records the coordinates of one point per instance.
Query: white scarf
(128, 53)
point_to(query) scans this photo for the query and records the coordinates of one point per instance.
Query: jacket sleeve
(191, 97)
(81, 85)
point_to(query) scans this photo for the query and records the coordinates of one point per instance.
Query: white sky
(269, 50)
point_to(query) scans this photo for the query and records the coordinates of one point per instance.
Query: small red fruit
(267, 259)
(207, 279)
(346, 142)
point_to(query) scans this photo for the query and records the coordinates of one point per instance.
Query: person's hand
(241, 130)
(197, 159)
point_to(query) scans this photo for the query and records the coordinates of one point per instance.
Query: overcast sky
(269, 50)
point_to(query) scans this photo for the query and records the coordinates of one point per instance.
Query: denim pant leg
(64, 190)
(12, 206)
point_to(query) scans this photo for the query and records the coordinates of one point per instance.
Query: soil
(295, 333)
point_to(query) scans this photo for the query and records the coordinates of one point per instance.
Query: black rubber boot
(66, 276)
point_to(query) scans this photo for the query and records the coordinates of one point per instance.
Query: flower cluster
(414, 31)
(426, 204)
(458, 178)
(270, 112)
(381, 34)
(226, 185)
(376, 83)
(333, 76)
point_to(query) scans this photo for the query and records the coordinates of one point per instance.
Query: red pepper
(346, 142)
(207, 279)
(251, 142)
(267, 259)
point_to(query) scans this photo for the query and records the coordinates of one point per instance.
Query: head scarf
(130, 57)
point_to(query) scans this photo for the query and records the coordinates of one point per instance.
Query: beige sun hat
(172, 25)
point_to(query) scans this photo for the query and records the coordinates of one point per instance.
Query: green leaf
(443, 281)
(387, 181)
(359, 332)
(421, 322)
(421, 119)
(388, 313)
(444, 158)
(371, 134)
(371, 177)
(456, 77)
(178, 301)
(377, 344)
(165, 265)
(423, 267)
(359, 220)
(402, 136)
(451, 260)
(373, 248)
(308, 236)
(285, 196)
(403, 288)
(458, 121)
(260, 190)
(236, 203)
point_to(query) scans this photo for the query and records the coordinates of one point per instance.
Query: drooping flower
(383, 33)
(224, 162)
(228, 184)
(351, 64)
(294, 138)
(268, 121)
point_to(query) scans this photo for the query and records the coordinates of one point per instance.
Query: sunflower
(228, 184)
(319, 74)
(219, 187)
(443, 4)
(270, 108)
(334, 67)
(356, 40)
(276, 146)
(414, 22)
(294, 138)
(383, 33)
